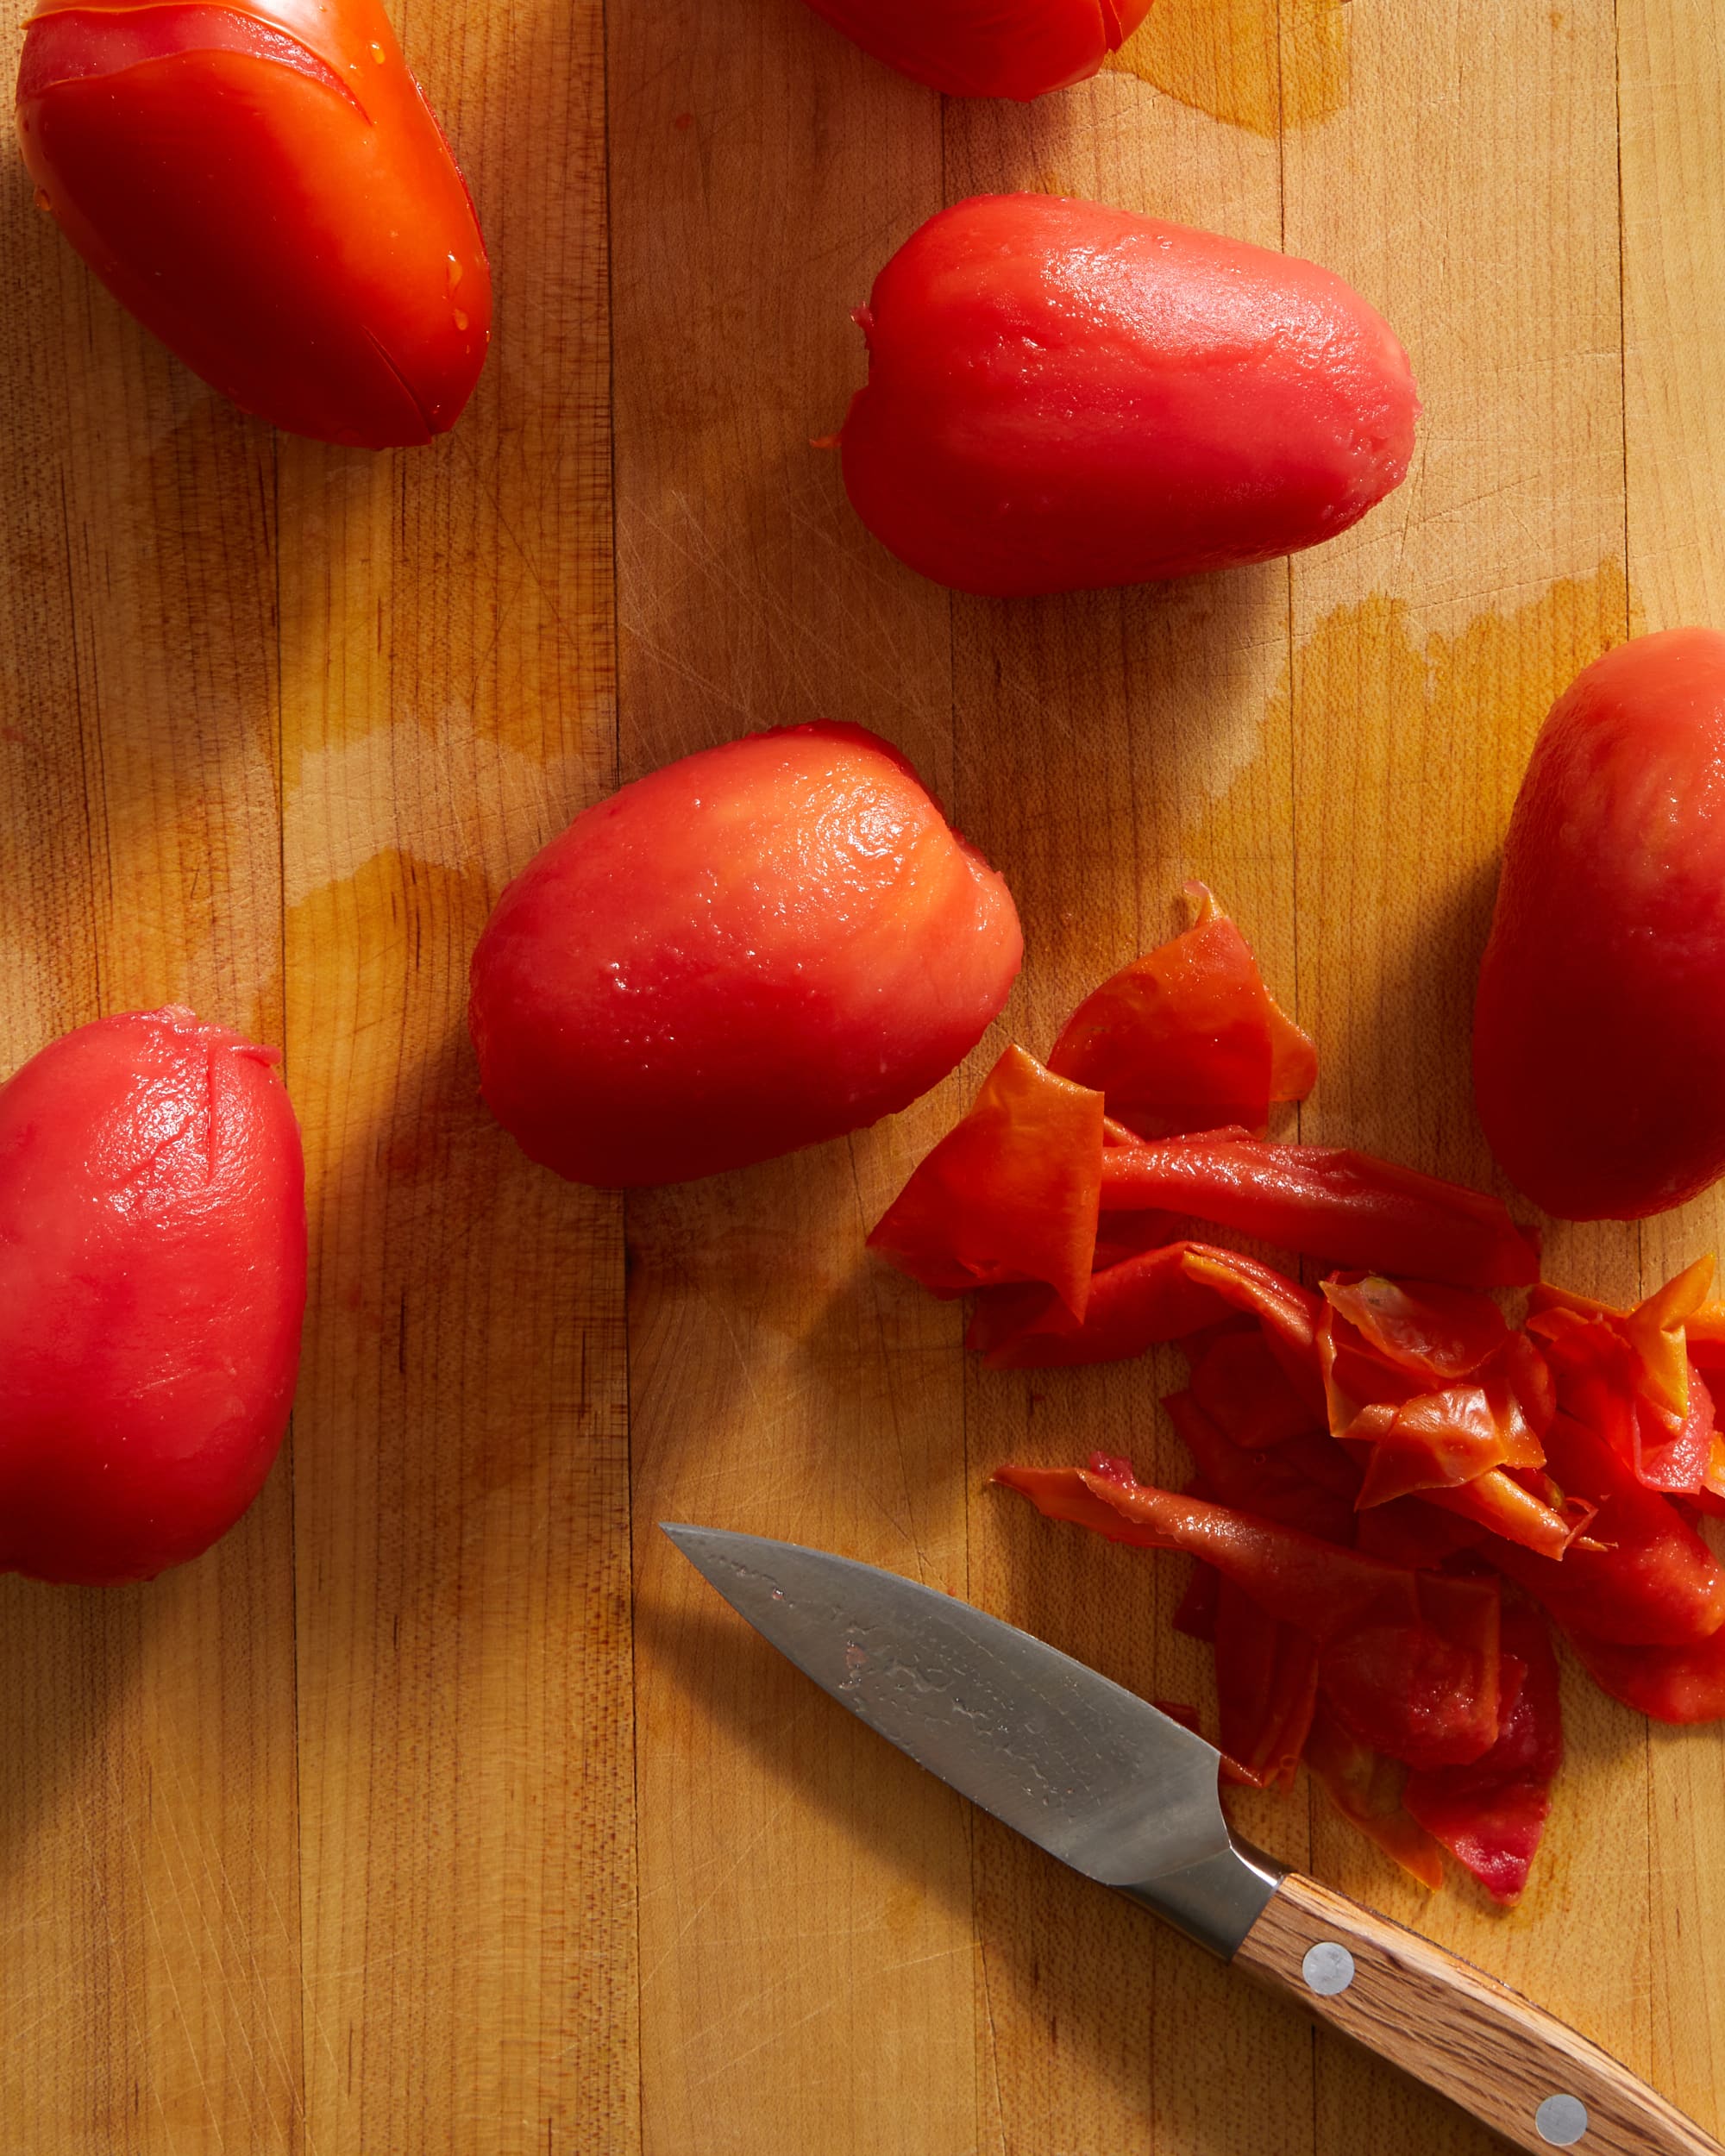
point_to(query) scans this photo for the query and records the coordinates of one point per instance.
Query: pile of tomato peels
(1394, 1487)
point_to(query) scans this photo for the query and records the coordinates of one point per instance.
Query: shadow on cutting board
(146, 1748)
(74, 1655)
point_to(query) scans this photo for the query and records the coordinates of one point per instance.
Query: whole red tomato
(1599, 1030)
(151, 1286)
(264, 187)
(989, 48)
(753, 949)
(1061, 395)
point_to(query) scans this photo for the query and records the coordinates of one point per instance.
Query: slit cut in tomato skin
(153, 1268)
(266, 188)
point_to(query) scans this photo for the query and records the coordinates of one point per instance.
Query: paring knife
(1101, 1779)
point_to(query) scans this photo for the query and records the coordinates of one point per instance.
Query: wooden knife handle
(1520, 2070)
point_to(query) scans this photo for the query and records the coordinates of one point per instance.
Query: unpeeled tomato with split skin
(263, 185)
(1062, 396)
(1599, 1027)
(989, 48)
(152, 1291)
(755, 948)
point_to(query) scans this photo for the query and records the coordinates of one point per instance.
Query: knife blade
(1124, 1794)
(1072, 1761)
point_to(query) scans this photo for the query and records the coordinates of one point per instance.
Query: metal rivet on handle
(1328, 1968)
(1562, 2121)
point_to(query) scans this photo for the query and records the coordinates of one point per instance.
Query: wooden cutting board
(440, 1809)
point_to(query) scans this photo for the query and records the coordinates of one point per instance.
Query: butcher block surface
(440, 1808)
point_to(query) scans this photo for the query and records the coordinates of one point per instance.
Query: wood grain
(1468, 190)
(1111, 745)
(1457, 2030)
(439, 1809)
(805, 1931)
(148, 1850)
(460, 1501)
(1672, 105)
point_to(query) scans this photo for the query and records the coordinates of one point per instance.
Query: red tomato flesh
(758, 947)
(1062, 396)
(267, 190)
(989, 48)
(152, 1287)
(1599, 1030)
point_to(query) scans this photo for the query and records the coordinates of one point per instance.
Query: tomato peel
(1347, 1208)
(1161, 1294)
(1409, 1660)
(1490, 1816)
(1650, 1581)
(1684, 1683)
(1010, 1193)
(1366, 1788)
(1188, 1038)
(1266, 1689)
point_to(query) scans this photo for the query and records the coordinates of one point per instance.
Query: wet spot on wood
(1230, 59)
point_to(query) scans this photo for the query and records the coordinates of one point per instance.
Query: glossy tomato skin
(266, 188)
(758, 947)
(1062, 396)
(1599, 1029)
(152, 1289)
(989, 48)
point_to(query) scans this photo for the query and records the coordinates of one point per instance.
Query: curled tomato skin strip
(1366, 1788)
(1629, 1375)
(1409, 1661)
(1653, 1331)
(1345, 1208)
(1498, 1500)
(1160, 1294)
(1429, 1389)
(1671, 1684)
(1648, 1581)
(1435, 1333)
(1266, 1688)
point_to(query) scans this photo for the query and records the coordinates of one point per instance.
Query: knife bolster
(1215, 1901)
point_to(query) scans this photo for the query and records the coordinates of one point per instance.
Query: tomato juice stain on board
(1228, 59)
(1485, 688)
(1408, 742)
